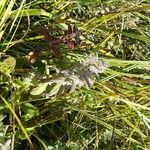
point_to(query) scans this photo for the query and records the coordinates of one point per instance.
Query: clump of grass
(96, 96)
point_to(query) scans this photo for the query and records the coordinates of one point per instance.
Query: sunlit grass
(111, 114)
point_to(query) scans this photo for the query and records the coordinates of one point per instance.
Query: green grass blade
(30, 12)
(18, 120)
(137, 37)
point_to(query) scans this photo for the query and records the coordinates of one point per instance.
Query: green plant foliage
(40, 89)
(75, 75)
(29, 111)
(8, 65)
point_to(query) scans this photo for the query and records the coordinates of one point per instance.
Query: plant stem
(13, 117)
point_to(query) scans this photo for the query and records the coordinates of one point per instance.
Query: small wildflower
(79, 75)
